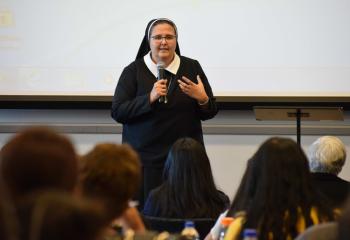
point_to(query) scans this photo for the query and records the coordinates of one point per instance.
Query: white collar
(173, 67)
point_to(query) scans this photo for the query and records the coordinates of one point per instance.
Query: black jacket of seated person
(188, 191)
(335, 189)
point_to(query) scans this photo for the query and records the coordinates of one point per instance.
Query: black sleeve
(211, 109)
(126, 104)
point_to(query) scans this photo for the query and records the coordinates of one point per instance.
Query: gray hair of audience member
(327, 154)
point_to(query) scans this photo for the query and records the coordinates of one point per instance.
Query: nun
(160, 97)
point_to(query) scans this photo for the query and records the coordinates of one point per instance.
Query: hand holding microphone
(159, 89)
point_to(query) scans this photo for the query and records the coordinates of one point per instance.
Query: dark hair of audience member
(111, 173)
(38, 159)
(59, 215)
(244, 192)
(9, 225)
(189, 186)
(278, 182)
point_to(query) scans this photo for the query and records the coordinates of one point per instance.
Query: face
(163, 43)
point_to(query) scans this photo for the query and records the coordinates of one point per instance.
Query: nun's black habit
(151, 129)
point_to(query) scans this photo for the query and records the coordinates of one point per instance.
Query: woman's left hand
(193, 90)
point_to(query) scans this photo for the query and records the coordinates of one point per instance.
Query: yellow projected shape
(109, 80)
(6, 19)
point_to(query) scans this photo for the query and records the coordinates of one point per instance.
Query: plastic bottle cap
(249, 232)
(227, 221)
(189, 224)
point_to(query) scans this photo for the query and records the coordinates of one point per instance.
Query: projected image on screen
(246, 47)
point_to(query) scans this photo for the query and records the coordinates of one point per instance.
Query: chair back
(323, 231)
(175, 225)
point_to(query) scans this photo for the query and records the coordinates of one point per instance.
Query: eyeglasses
(159, 38)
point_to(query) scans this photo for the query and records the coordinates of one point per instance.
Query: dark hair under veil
(144, 47)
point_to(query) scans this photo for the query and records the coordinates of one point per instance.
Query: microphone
(161, 75)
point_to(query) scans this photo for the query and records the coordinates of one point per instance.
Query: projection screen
(247, 48)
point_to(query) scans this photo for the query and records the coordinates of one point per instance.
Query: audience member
(55, 215)
(34, 161)
(277, 197)
(111, 174)
(327, 156)
(188, 190)
(38, 159)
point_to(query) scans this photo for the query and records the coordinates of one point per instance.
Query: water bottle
(224, 224)
(250, 234)
(189, 231)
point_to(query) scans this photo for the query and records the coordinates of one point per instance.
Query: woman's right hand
(159, 89)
